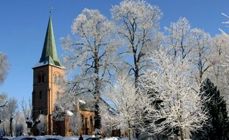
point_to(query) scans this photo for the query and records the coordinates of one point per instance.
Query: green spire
(49, 53)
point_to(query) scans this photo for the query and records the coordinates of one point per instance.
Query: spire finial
(51, 9)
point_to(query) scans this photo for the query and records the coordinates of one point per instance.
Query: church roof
(49, 52)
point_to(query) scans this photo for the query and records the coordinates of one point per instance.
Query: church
(46, 91)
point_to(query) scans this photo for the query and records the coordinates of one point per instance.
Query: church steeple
(46, 76)
(49, 53)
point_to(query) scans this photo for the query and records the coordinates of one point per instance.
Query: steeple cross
(51, 10)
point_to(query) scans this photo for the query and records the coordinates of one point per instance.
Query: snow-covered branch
(179, 107)
(129, 106)
(137, 23)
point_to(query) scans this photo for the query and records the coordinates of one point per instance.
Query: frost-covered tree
(3, 67)
(137, 25)
(201, 42)
(42, 126)
(128, 106)
(220, 50)
(3, 101)
(3, 71)
(11, 110)
(218, 73)
(180, 110)
(20, 127)
(108, 114)
(92, 53)
(179, 38)
(76, 123)
(24, 116)
(26, 108)
(225, 64)
(8, 113)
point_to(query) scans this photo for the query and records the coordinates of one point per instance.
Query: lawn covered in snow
(61, 138)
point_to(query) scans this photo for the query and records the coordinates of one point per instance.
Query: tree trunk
(11, 128)
(97, 88)
(129, 131)
(181, 134)
(129, 134)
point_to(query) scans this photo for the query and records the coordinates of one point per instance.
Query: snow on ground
(64, 138)
(48, 136)
(21, 137)
(76, 137)
(72, 138)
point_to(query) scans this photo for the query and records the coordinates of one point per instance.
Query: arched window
(33, 97)
(40, 95)
(43, 78)
(54, 78)
(57, 79)
(39, 78)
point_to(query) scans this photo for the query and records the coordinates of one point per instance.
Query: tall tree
(217, 126)
(226, 62)
(218, 73)
(180, 112)
(92, 54)
(137, 23)
(11, 110)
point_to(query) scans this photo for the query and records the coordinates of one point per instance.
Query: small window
(33, 97)
(39, 78)
(40, 95)
(43, 78)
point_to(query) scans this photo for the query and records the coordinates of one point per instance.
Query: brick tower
(46, 76)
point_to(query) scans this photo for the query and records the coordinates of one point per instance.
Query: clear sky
(23, 25)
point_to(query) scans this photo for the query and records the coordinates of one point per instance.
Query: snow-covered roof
(69, 113)
(109, 103)
(82, 101)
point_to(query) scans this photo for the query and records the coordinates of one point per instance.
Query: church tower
(46, 76)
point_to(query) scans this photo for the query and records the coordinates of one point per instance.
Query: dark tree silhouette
(217, 125)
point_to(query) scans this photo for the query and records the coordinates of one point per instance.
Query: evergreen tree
(217, 125)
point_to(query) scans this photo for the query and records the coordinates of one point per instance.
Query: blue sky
(23, 25)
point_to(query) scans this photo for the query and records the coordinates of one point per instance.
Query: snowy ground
(61, 138)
